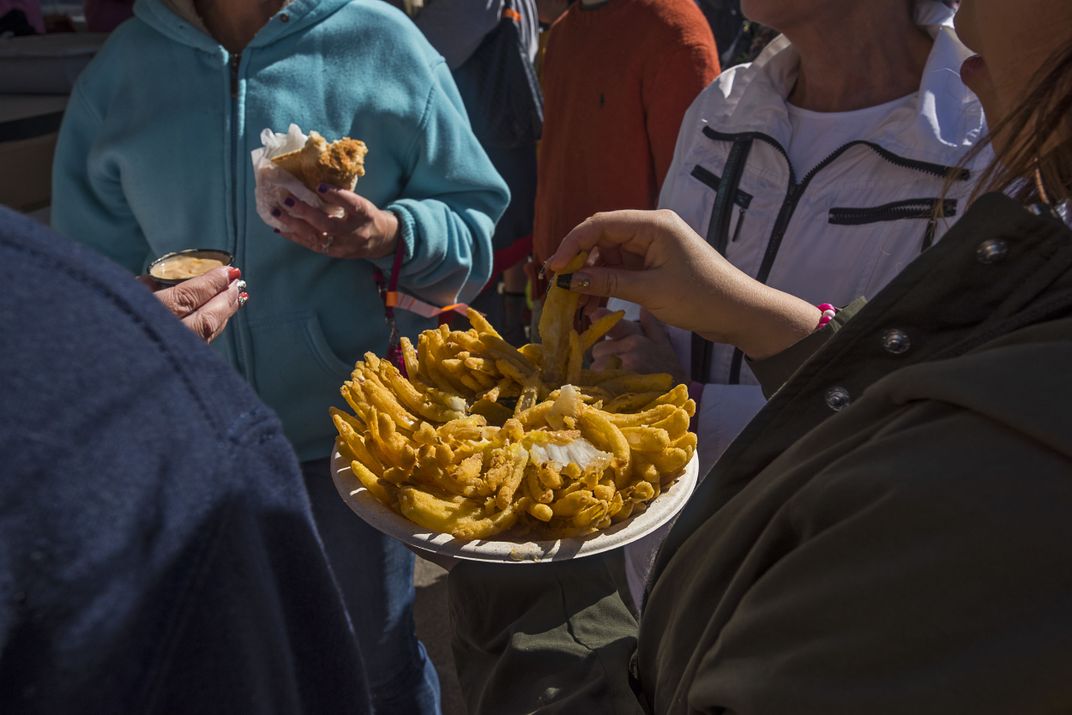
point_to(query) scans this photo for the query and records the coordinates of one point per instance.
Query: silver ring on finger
(325, 242)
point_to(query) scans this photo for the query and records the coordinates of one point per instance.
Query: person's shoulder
(376, 29)
(678, 21)
(376, 18)
(110, 66)
(387, 17)
(714, 100)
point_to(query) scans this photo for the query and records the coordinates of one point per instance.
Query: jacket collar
(178, 20)
(947, 120)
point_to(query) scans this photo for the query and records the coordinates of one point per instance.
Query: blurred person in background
(106, 15)
(891, 533)
(819, 169)
(490, 47)
(21, 17)
(618, 76)
(729, 27)
(154, 156)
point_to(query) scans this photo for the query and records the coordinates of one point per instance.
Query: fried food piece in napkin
(339, 163)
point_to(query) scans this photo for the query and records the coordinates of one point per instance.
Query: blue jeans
(375, 574)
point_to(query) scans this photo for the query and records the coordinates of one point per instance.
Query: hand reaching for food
(655, 259)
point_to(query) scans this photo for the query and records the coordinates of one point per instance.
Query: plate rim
(385, 520)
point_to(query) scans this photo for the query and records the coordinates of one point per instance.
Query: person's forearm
(770, 321)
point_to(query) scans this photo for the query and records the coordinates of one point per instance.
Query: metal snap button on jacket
(284, 17)
(992, 251)
(896, 342)
(837, 398)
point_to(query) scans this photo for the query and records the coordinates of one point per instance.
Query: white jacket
(840, 232)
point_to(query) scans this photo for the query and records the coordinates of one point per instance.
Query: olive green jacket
(891, 534)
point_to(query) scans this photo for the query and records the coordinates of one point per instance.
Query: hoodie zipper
(796, 190)
(238, 341)
(236, 58)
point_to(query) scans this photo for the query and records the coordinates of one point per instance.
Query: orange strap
(512, 14)
(395, 299)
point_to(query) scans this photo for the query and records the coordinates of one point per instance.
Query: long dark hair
(1027, 167)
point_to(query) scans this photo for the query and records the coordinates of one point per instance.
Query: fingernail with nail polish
(574, 281)
(276, 230)
(322, 188)
(241, 285)
(276, 213)
(243, 298)
(234, 274)
(288, 202)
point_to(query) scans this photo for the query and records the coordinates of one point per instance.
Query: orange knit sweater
(617, 80)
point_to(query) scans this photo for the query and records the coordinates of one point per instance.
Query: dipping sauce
(184, 265)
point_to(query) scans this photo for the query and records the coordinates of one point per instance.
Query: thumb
(603, 282)
(354, 204)
(653, 328)
(188, 296)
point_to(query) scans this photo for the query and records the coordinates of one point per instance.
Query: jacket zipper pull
(928, 237)
(235, 59)
(740, 222)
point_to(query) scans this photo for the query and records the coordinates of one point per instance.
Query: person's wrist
(771, 321)
(389, 229)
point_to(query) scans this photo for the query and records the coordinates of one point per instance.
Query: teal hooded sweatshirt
(154, 156)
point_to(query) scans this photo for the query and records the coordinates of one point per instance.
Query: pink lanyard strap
(393, 298)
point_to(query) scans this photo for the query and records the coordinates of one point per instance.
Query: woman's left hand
(363, 231)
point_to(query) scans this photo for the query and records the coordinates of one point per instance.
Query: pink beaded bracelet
(828, 313)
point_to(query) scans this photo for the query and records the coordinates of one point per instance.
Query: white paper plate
(659, 511)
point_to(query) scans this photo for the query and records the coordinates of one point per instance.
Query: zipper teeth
(927, 167)
(238, 343)
(837, 215)
(921, 209)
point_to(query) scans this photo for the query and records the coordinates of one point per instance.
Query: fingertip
(220, 275)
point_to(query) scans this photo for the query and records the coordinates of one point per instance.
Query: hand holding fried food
(481, 438)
